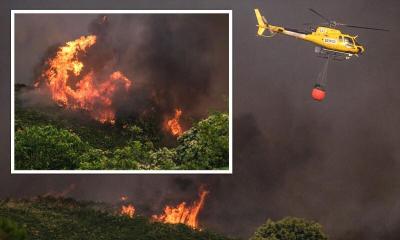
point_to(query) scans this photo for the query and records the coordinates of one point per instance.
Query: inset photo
(121, 91)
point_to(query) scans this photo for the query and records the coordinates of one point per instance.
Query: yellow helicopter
(331, 44)
(329, 41)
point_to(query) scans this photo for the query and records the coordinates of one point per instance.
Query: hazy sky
(336, 162)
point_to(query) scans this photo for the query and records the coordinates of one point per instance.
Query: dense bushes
(48, 147)
(206, 145)
(289, 228)
(9, 230)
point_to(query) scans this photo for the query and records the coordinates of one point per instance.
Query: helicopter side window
(340, 39)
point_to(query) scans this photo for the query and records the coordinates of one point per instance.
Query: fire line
(182, 213)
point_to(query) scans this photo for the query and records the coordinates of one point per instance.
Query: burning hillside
(74, 87)
(114, 74)
(61, 218)
(182, 213)
(123, 92)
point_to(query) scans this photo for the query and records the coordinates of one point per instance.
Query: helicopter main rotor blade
(320, 15)
(334, 23)
(315, 24)
(369, 28)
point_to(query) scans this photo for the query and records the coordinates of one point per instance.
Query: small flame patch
(174, 125)
(128, 210)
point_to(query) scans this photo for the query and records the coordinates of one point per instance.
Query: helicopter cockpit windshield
(348, 41)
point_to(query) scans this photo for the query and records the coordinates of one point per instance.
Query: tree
(206, 145)
(289, 228)
(9, 230)
(47, 147)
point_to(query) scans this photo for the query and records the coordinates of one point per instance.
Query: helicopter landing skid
(335, 55)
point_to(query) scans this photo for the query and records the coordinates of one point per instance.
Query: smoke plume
(170, 65)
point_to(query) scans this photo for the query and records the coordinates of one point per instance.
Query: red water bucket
(318, 93)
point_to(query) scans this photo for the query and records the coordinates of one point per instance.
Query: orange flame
(88, 92)
(128, 210)
(183, 214)
(174, 125)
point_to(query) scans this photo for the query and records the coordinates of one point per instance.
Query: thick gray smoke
(170, 65)
(336, 162)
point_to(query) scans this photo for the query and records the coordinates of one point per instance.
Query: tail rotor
(262, 25)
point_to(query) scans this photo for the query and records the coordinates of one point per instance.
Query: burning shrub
(206, 145)
(289, 228)
(183, 213)
(47, 147)
(59, 218)
(128, 210)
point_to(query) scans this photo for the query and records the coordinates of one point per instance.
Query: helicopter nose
(360, 49)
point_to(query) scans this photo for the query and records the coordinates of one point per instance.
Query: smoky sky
(170, 65)
(335, 162)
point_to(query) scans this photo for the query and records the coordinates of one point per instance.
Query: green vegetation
(51, 138)
(9, 230)
(289, 228)
(47, 148)
(206, 145)
(48, 218)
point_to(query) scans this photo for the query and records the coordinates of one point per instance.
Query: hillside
(49, 218)
(50, 137)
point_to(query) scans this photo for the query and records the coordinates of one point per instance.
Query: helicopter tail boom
(263, 25)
